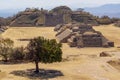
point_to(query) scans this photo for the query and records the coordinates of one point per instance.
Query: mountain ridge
(111, 10)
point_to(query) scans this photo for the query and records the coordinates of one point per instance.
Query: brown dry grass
(111, 32)
(2, 75)
(16, 33)
(79, 64)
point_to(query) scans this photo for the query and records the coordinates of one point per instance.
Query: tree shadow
(43, 74)
(24, 39)
(13, 62)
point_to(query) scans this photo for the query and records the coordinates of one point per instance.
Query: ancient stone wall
(41, 20)
(92, 40)
(53, 19)
(84, 17)
(82, 35)
(67, 18)
(58, 15)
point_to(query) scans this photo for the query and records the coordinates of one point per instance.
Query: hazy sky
(13, 4)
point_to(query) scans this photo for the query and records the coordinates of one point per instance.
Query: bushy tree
(114, 20)
(117, 24)
(44, 51)
(6, 47)
(104, 20)
(17, 54)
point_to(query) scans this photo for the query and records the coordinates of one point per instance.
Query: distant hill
(111, 10)
(4, 14)
(9, 12)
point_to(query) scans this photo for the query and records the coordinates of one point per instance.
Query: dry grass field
(78, 63)
(110, 32)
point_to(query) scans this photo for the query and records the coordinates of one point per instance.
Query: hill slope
(112, 10)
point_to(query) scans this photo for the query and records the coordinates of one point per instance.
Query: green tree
(44, 51)
(104, 20)
(17, 54)
(6, 47)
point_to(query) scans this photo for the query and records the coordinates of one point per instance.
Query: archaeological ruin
(3, 23)
(81, 35)
(3, 28)
(58, 15)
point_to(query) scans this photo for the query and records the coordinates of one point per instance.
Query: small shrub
(17, 54)
(6, 47)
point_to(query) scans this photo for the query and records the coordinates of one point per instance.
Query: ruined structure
(3, 23)
(84, 17)
(29, 17)
(81, 35)
(3, 28)
(36, 17)
(58, 15)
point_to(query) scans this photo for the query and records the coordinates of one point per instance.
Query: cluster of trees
(38, 50)
(117, 24)
(105, 20)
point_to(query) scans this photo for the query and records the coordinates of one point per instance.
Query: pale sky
(47, 4)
